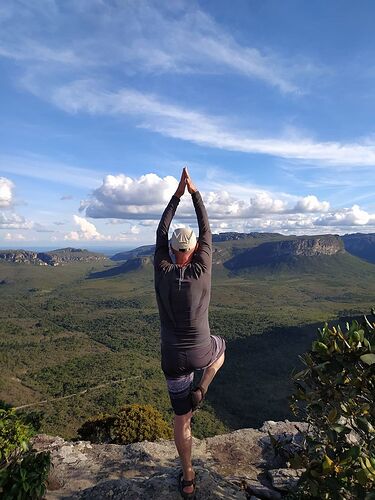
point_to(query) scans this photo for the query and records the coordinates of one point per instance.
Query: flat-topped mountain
(52, 258)
(237, 251)
(288, 250)
(233, 250)
(244, 236)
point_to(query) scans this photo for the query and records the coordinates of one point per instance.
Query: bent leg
(183, 440)
(210, 372)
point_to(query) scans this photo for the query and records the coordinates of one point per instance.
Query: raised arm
(204, 252)
(161, 248)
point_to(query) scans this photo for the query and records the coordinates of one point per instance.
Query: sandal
(182, 483)
(196, 402)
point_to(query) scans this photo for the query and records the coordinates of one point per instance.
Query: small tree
(23, 471)
(132, 423)
(335, 395)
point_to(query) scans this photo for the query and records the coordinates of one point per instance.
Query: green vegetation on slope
(90, 345)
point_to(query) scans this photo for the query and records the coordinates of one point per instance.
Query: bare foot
(197, 396)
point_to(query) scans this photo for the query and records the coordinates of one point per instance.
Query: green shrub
(132, 423)
(23, 471)
(335, 395)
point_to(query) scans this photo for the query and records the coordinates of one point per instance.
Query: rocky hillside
(238, 465)
(280, 251)
(53, 258)
(361, 245)
(233, 236)
(241, 250)
(145, 250)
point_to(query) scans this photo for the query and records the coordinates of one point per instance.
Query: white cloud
(14, 221)
(86, 231)
(157, 38)
(6, 192)
(353, 216)
(212, 131)
(14, 237)
(122, 197)
(311, 204)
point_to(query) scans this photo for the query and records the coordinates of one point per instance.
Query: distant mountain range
(53, 258)
(235, 251)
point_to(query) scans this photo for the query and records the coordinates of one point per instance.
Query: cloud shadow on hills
(255, 382)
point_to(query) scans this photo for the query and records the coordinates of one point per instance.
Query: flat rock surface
(226, 466)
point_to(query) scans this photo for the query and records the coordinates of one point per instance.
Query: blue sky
(269, 103)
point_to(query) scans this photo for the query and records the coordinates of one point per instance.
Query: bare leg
(210, 372)
(183, 440)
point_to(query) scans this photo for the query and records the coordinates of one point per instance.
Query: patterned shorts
(179, 366)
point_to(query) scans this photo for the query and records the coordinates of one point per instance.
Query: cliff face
(53, 258)
(279, 251)
(230, 466)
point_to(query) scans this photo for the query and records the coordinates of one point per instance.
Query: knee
(223, 356)
(182, 422)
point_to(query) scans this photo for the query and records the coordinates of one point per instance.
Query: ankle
(189, 474)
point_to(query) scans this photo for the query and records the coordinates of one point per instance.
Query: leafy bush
(132, 423)
(335, 395)
(23, 471)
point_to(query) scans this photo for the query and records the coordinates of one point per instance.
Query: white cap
(183, 239)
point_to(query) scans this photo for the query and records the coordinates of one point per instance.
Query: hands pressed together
(185, 182)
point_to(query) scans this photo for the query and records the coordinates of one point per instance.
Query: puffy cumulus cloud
(220, 227)
(264, 203)
(14, 221)
(311, 204)
(86, 231)
(122, 197)
(14, 237)
(353, 216)
(6, 192)
(221, 204)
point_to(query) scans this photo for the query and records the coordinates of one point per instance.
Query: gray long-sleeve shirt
(183, 293)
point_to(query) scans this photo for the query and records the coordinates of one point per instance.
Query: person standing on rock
(183, 287)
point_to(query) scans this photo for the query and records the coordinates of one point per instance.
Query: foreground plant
(23, 471)
(335, 395)
(131, 423)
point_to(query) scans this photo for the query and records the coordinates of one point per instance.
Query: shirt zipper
(182, 273)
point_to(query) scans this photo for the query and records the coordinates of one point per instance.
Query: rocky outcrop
(238, 465)
(21, 256)
(281, 251)
(52, 258)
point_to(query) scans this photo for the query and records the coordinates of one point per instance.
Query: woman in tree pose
(183, 287)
